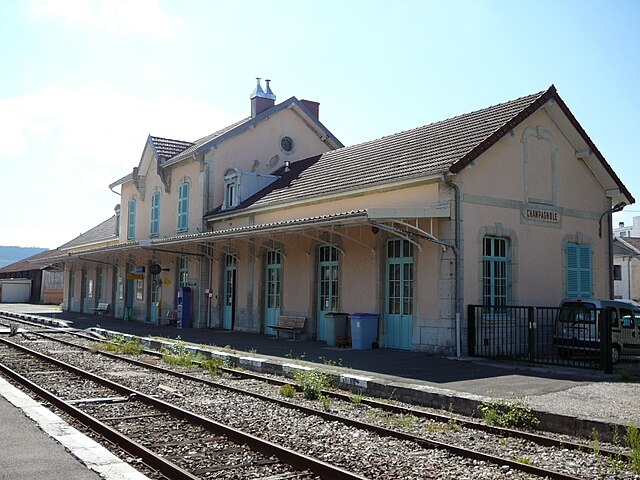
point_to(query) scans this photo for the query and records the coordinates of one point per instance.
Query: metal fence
(548, 335)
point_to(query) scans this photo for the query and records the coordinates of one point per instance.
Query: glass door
(399, 295)
(328, 286)
(273, 285)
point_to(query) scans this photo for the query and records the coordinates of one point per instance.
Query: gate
(541, 335)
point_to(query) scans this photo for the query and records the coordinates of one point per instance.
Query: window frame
(495, 271)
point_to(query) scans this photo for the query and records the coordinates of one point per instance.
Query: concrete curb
(86, 450)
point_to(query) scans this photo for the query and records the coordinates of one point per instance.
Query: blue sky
(83, 82)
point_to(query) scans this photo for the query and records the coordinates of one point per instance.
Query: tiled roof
(25, 264)
(425, 150)
(167, 148)
(100, 233)
(201, 141)
(633, 241)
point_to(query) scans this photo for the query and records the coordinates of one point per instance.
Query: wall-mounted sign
(135, 276)
(542, 215)
(140, 269)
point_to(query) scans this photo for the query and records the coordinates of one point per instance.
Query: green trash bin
(127, 313)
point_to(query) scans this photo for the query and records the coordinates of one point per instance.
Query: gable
(584, 147)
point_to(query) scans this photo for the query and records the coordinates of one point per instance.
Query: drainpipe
(456, 251)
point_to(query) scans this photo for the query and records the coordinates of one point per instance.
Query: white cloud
(115, 16)
(67, 145)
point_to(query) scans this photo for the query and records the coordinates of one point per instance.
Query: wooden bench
(172, 317)
(103, 307)
(294, 325)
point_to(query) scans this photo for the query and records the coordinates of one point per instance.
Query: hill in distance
(9, 255)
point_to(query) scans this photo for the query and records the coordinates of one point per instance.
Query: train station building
(273, 216)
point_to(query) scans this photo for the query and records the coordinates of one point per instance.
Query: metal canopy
(392, 220)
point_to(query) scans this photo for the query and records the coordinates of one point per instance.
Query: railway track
(573, 467)
(177, 443)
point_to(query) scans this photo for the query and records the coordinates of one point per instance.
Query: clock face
(287, 144)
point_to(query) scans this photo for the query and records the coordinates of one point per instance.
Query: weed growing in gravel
(325, 400)
(311, 382)
(212, 365)
(525, 460)
(356, 398)
(508, 413)
(595, 447)
(393, 420)
(120, 344)
(616, 462)
(178, 354)
(452, 421)
(286, 390)
(633, 442)
(439, 427)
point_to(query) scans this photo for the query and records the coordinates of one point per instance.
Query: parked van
(577, 327)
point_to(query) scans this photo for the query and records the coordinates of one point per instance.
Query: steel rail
(536, 438)
(382, 431)
(289, 457)
(165, 467)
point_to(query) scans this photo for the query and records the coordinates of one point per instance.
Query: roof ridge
(169, 139)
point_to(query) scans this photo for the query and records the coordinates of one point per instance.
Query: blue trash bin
(364, 330)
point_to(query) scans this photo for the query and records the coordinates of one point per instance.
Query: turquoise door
(273, 283)
(327, 286)
(229, 292)
(154, 299)
(399, 295)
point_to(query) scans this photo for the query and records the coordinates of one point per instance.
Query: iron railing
(548, 335)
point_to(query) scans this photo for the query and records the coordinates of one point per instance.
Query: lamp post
(616, 208)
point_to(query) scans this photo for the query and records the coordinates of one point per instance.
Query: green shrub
(120, 344)
(508, 413)
(178, 354)
(311, 382)
(287, 390)
(356, 398)
(212, 365)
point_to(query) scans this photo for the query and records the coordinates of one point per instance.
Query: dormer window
(231, 188)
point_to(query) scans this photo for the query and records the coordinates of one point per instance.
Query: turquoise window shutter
(579, 271)
(183, 206)
(584, 258)
(131, 220)
(155, 213)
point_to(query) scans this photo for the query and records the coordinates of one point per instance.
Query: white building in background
(623, 230)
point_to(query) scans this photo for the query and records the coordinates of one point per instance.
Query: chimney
(261, 101)
(313, 107)
(621, 224)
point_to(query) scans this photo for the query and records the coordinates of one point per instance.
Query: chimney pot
(621, 224)
(261, 101)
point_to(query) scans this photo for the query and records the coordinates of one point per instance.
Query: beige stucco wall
(543, 165)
